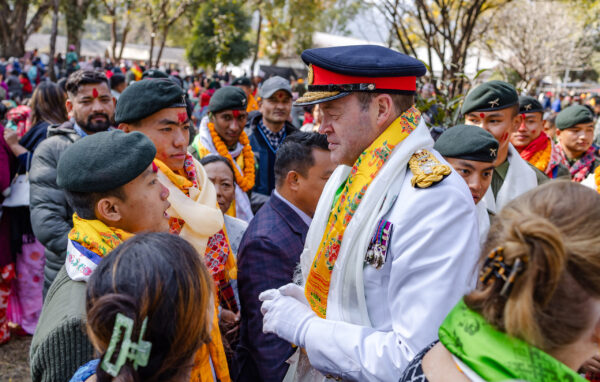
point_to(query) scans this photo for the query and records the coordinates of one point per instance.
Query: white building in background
(101, 48)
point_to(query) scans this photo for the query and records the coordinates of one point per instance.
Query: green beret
(529, 105)
(467, 142)
(104, 161)
(228, 98)
(573, 115)
(243, 81)
(489, 96)
(154, 73)
(146, 97)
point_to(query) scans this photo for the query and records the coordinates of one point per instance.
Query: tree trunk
(125, 32)
(113, 35)
(14, 28)
(256, 44)
(152, 36)
(55, 4)
(165, 32)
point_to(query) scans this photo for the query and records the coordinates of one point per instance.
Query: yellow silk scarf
(97, 236)
(363, 171)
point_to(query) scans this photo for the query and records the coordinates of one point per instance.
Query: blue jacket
(265, 156)
(269, 253)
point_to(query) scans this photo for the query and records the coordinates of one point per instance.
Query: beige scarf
(200, 211)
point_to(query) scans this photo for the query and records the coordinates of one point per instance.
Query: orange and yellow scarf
(364, 170)
(184, 180)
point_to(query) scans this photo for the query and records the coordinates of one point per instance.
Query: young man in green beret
(224, 135)
(494, 106)
(156, 108)
(531, 141)
(112, 200)
(575, 131)
(471, 151)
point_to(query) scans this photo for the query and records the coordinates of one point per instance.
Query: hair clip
(494, 266)
(138, 352)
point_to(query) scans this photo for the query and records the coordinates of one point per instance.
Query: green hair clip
(138, 352)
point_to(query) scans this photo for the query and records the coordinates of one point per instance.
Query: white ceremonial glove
(284, 315)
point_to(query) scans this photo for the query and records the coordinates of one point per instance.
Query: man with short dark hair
(268, 128)
(271, 248)
(494, 106)
(92, 108)
(113, 200)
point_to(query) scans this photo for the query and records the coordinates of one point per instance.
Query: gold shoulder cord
(426, 169)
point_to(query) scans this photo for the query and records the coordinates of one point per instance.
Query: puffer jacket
(51, 215)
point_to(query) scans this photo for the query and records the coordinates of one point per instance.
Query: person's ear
(292, 180)
(69, 105)
(385, 108)
(125, 127)
(108, 210)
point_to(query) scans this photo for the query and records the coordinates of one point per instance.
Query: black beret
(228, 98)
(338, 71)
(492, 95)
(146, 97)
(529, 105)
(104, 161)
(154, 73)
(573, 115)
(467, 142)
(243, 81)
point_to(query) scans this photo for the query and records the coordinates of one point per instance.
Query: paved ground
(14, 360)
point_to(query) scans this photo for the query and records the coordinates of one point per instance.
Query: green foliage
(444, 107)
(219, 34)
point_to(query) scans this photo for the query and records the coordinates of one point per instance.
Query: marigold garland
(597, 178)
(541, 159)
(245, 181)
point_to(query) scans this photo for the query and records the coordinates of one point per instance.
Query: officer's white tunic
(378, 320)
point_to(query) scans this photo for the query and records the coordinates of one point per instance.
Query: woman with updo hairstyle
(535, 314)
(156, 286)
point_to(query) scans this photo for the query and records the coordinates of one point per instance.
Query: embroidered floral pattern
(365, 169)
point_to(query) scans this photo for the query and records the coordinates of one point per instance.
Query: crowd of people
(160, 228)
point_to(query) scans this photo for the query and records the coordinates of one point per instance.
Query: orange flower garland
(541, 159)
(245, 181)
(597, 178)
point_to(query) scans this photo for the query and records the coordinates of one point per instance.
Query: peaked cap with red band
(339, 71)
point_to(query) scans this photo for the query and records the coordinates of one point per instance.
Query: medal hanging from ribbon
(378, 248)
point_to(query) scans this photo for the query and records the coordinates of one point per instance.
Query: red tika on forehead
(523, 115)
(482, 115)
(236, 113)
(154, 167)
(182, 117)
(94, 93)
